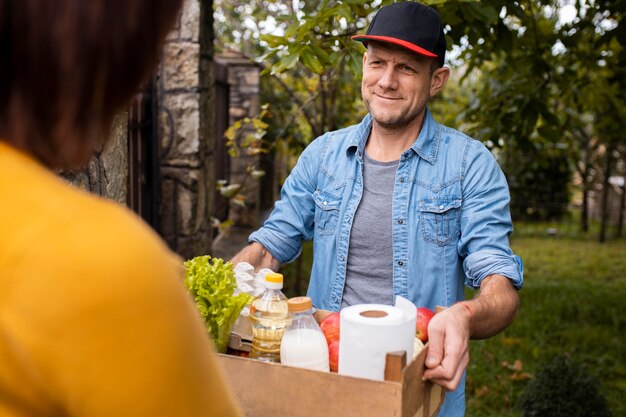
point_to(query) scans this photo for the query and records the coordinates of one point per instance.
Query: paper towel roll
(369, 331)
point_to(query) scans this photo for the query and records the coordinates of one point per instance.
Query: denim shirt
(451, 217)
(450, 225)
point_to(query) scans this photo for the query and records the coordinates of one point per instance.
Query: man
(401, 205)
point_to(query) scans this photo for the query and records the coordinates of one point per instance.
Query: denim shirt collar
(357, 139)
(426, 144)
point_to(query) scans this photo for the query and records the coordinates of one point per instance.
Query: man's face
(396, 84)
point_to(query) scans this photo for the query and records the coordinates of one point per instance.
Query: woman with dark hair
(94, 320)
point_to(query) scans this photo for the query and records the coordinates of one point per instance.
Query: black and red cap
(411, 25)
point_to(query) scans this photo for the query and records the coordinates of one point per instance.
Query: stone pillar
(243, 83)
(243, 80)
(107, 172)
(185, 126)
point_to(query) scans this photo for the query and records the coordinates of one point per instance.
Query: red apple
(333, 355)
(330, 327)
(421, 324)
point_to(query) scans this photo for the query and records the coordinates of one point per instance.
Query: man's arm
(494, 307)
(257, 256)
(491, 311)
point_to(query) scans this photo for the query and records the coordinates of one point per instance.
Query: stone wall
(185, 120)
(185, 126)
(107, 173)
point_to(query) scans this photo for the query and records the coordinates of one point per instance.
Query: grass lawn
(573, 303)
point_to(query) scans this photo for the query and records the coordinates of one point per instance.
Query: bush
(563, 389)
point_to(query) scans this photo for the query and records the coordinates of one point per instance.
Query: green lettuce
(211, 282)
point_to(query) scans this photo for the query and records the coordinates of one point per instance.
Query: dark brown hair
(66, 67)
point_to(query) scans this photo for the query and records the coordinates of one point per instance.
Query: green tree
(547, 96)
(541, 92)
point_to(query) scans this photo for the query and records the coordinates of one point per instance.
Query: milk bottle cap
(298, 304)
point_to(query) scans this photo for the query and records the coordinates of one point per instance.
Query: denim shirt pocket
(440, 220)
(326, 212)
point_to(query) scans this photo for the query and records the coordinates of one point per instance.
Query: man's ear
(364, 58)
(438, 79)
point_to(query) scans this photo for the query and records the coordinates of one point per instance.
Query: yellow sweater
(94, 320)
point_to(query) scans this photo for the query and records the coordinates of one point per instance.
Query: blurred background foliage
(540, 82)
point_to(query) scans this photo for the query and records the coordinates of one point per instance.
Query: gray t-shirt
(369, 270)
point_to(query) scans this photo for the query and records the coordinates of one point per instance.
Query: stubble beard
(397, 121)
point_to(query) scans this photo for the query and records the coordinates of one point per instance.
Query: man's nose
(388, 79)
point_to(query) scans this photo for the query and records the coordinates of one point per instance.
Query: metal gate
(143, 156)
(221, 159)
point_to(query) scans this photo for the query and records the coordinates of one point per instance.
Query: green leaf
(355, 62)
(273, 41)
(321, 54)
(291, 31)
(259, 124)
(550, 117)
(232, 130)
(230, 191)
(485, 13)
(346, 12)
(310, 61)
(285, 63)
(304, 30)
(211, 282)
(550, 133)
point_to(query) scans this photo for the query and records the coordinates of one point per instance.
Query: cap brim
(395, 41)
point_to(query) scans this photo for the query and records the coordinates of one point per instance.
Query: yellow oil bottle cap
(274, 277)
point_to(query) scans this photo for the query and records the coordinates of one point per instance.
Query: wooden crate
(274, 390)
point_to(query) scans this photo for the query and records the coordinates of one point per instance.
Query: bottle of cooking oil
(269, 315)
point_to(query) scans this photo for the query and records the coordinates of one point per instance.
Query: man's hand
(320, 315)
(487, 314)
(257, 256)
(448, 350)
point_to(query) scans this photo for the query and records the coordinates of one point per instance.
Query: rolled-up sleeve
(481, 264)
(486, 221)
(291, 220)
(283, 248)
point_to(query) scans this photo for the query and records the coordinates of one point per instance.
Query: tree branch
(302, 106)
